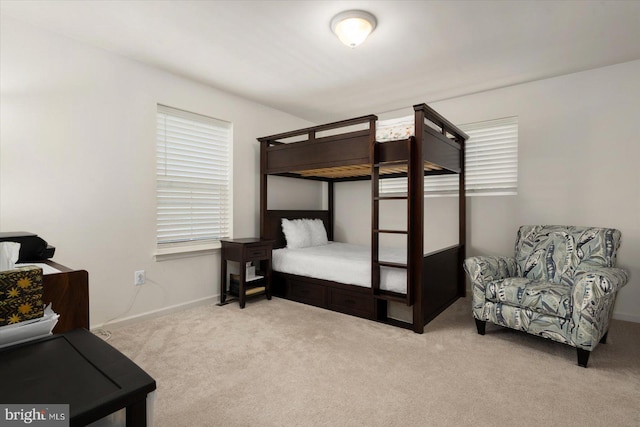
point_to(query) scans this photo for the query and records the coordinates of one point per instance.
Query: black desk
(79, 369)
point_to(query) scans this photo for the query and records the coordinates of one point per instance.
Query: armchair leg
(480, 325)
(583, 357)
(603, 340)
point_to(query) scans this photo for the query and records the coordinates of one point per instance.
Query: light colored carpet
(280, 363)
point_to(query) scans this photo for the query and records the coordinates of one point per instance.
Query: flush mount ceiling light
(353, 26)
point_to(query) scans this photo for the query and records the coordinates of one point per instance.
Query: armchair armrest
(483, 270)
(593, 299)
(595, 283)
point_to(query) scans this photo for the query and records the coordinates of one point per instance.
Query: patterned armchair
(560, 285)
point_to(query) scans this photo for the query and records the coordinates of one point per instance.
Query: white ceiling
(283, 54)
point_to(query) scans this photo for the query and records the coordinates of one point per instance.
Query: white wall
(77, 165)
(354, 224)
(578, 165)
(294, 193)
(77, 139)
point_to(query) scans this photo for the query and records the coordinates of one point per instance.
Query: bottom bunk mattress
(343, 263)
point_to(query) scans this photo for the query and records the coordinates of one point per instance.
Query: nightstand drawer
(257, 252)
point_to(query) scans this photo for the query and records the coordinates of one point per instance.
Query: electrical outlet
(139, 278)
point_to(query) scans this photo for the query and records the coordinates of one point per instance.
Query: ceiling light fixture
(353, 26)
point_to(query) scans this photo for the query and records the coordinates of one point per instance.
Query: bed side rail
(325, 146)
(446, 127)
(311, 132)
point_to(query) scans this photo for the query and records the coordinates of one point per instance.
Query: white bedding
(395, 129)
(343, 263)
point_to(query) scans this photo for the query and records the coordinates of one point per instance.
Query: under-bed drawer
(351, 303)
(307, 293)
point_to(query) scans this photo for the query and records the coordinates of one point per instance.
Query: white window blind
(491, 163)
(193, 178)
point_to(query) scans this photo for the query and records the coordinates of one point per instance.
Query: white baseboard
(627, 317)
(159, 312)
(214, 298)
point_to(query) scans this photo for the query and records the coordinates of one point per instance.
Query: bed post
(380, 305)
(462, 218)
(330, 208)
(416, 221)
(263, 186)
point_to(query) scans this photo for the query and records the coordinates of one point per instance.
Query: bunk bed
(349, 150)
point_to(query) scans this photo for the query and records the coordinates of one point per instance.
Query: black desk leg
(137, 414)
(242, 288)
(223, 280)
(269, 276)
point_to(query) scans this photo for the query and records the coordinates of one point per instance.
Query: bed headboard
(273, 224)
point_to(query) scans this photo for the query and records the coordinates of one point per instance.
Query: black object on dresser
(79, 369)
(243, 251)
(32, 247)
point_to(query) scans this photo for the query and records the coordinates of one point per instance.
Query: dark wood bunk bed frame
(434, 281)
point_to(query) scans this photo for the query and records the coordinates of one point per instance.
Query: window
(193, 164)
(491, 162)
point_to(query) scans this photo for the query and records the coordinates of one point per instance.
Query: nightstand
(243, 251)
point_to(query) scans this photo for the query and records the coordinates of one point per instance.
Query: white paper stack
(29, 329)
(46, 268)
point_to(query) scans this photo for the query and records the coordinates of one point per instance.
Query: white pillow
(296, 232)
(317, 232)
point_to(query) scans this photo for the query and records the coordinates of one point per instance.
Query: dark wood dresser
(68, 293)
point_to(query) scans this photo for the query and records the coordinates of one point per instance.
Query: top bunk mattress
(343, 263)
(395, 129)
(399, 128)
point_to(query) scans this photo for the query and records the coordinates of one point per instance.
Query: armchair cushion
(542, 297)
(524, 319)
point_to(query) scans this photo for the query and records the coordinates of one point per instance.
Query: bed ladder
(376, 263)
